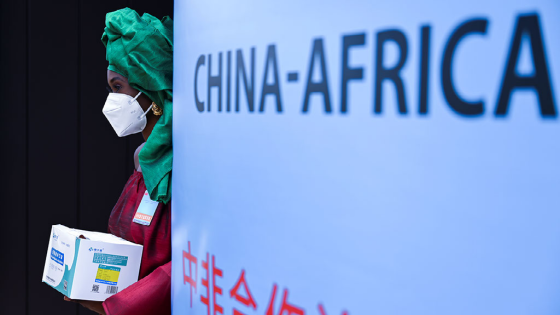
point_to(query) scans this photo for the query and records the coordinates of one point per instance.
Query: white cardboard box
(90, 269)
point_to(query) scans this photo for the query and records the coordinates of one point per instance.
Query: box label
(57, 256)
(107, 274)
(108, 259)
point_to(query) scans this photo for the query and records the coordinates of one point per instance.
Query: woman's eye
(110, 89)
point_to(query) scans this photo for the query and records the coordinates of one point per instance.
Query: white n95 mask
(125, 114)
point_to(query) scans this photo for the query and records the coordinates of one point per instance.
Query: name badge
(146, 210)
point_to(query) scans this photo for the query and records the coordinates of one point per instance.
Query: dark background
(61, 161)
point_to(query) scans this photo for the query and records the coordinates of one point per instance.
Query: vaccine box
(91, 266)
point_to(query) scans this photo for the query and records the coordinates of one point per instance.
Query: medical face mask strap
(134, 99)
(146, 113)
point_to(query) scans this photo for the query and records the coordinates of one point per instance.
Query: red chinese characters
(213, 290)
(216, 290)
(206, 299)
(286, 308)
(188, 278)
(234, 293)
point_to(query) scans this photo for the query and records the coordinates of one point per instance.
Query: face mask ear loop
(134, 99)
(146, 113)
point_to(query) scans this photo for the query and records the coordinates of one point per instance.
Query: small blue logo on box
(57, 256)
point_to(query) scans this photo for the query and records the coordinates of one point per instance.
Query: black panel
(53, 138)
(13, 130)
(158, 9)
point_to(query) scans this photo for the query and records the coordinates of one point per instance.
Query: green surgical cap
(141, 49)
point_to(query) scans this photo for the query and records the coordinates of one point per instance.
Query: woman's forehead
(112, 75)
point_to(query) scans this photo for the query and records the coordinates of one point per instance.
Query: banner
(366, 157)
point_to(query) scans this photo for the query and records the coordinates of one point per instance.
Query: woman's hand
(92, 305)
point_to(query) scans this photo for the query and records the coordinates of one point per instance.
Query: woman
(140, 73)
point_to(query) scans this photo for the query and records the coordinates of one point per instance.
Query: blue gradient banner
(366, 157)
